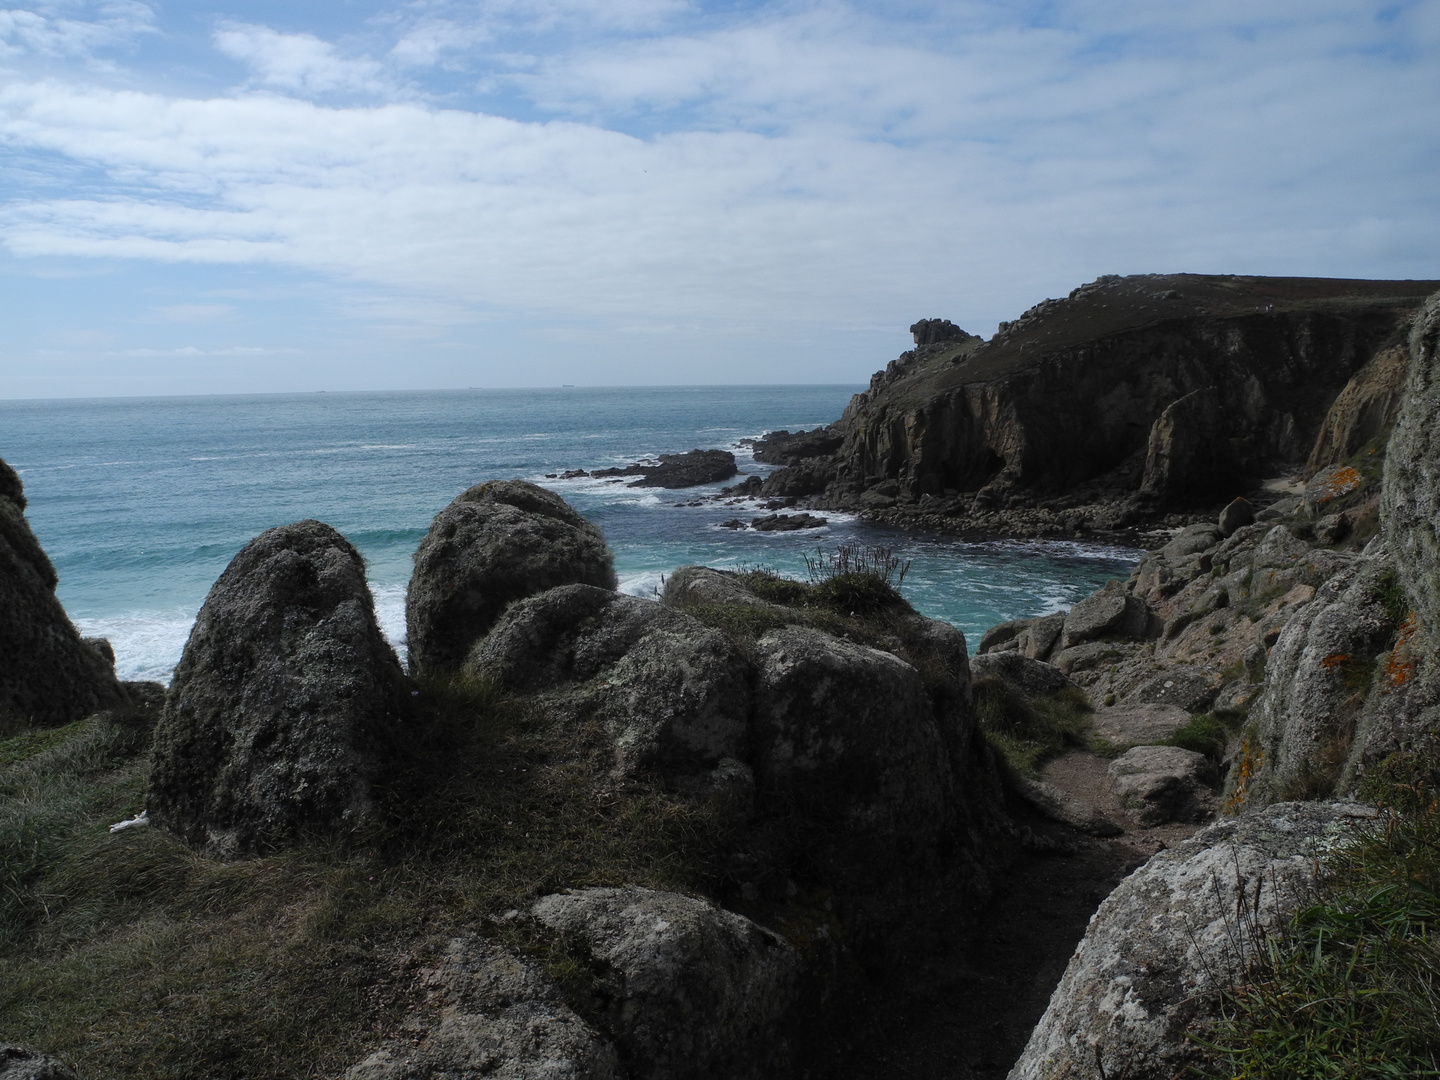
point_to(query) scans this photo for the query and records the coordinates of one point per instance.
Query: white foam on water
(390, 614)
(147, 644)
(647, 584)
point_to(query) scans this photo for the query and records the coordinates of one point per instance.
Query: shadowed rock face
(495, 544)
(694, 991)
(17, 1063)
(1168, 935)
(273, 712)
(48, 674)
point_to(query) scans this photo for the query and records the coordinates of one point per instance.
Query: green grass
(1349, 987)
(1028, 730)
(129, 956)
(1208, 734)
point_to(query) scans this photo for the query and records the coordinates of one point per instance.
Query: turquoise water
(141, 502)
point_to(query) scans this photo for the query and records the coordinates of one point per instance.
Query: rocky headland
(765, 828)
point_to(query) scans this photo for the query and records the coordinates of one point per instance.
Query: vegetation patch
(1349, 987)
(1028, 730)
(1209, 734)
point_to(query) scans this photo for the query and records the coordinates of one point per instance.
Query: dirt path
(968, 1012)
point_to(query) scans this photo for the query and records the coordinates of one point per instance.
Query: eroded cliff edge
(1131, 400)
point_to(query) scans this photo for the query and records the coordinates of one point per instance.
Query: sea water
(142, 502)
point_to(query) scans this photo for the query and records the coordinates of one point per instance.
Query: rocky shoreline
(757, 828)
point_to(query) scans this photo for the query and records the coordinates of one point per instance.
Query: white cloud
(300, 62)
(41, 31)
(813, 166)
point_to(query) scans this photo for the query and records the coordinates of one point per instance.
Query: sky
(357, 195)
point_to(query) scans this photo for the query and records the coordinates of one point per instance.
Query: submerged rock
(690, 469)
(694, 991)
(49, 674)
(274, 710)
(494, 544)
(1168, 937)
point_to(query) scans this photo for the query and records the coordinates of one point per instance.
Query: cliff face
(1160, 390)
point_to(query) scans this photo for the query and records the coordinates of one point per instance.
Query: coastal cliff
(1129, 400)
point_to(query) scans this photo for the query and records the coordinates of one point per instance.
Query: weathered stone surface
(17, 1063)
(1363, 410)
(1189, 450)
(1111, 610)
(788, 522)
(1039, 639)
(273, 710)
(935, 331)
(1190, 689)
(1091, 655)
(1236, 515)
(786, 448)
(1410, 502)
(703, 585)
(1331, 483)
(1316, 679)
(1059, 805)
(494, 544)
(490, 1015)
(48, 674)
(846, 731)
(673, 693)
(1166, 937)
(1191, 540)
(1025, 675)
(1156, 784)
(1139, 724)
(695, 991)
(1000, 634)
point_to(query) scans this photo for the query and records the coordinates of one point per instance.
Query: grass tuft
(1028, 730)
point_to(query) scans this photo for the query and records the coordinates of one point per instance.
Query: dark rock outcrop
(937, 332)
(276, 706)
(690, 469)
(1167, 938)
(784, 448)
(1130, 399)
(673, 693)
(17, 1063)
(49, 675)
(788, 523)
(494, 544)
(693, 991)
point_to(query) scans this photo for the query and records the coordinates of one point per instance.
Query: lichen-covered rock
(695, 991)
(48, 674)
(1361, 411)
(1410, 502)
(490, 1015)
(273, 712)
(1316, 680)
(494, 544)
(1158, 784)
(1019, 671)
(1167, 936)
(847, 732)
(673, 693)
(17, 1063)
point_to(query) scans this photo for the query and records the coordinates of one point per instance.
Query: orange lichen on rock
(1335, 660)
(1400, 664)
(1251, 758)
(1338, 482)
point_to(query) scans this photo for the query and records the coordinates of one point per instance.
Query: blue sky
(360, 195)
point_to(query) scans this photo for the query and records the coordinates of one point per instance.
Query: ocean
(142, 502)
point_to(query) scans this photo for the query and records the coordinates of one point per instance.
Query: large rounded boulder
(286, 685)
(848, 733)
(673, 694)
(496, 543)
(49, 674)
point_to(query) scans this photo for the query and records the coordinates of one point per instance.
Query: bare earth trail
(967, 1011)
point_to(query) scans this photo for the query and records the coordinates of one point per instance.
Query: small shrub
(848, 559)
(1208, 734)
